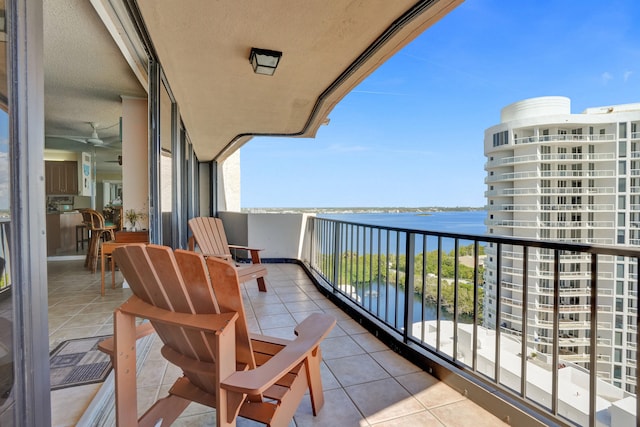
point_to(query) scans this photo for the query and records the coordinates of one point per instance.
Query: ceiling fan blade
(69, 138)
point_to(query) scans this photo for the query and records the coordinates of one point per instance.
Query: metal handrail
(419, 284)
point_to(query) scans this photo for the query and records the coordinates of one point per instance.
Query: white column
(135, 156)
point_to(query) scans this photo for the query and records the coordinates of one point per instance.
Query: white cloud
(627, 74)
(606, 76)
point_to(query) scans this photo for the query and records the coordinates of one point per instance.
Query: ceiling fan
(94, 139)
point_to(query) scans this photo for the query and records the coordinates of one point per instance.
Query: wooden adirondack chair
(195, 306)
(209, 236)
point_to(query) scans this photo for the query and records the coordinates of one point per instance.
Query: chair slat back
(209, 235)
(180, 281)
(97, 220)
(226, 286)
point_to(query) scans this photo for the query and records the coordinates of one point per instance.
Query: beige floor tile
(276, 321)
(340, 346)
(354, 370)
(465, 414)
(268, 309)
(428, 390)
(383, 400)
(393, 362)
(421, 419)
(350, 326)
(338, 410)
(369, 342)
(68, 404)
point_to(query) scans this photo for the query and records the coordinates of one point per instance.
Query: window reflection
(166, 165)
(6, 305)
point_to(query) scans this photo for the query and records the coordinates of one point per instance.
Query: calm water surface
(463, 222)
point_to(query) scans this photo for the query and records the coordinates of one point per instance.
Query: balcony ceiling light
(264, 61)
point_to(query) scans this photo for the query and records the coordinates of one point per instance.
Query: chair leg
(262, 286)
(316, 394)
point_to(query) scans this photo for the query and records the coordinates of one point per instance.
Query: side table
(107, 248)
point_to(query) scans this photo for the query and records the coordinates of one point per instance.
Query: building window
(501, 138)
(622, 185)
(620, 236)
(622, 130)
(620, 271)
(622, 148)
(622, 203)
(621, 220)
(617, 372)
(617, 355)
(622, 167)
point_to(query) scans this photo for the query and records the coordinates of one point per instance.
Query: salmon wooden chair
(209, 236)
(196, 308)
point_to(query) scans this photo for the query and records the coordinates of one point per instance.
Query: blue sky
(412, 133)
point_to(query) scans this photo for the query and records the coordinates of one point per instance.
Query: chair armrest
(255, 253)
(309, 335)
(107, 345)
(244, 248)
(202, 322)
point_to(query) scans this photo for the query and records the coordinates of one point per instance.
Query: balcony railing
(564, 137)
(426, 292)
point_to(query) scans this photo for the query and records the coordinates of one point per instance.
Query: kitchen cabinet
(61, 177)
(61, 232)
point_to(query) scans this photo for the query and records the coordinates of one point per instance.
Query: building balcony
(565, 138)
(424, 355)
(535, 208)
(536, 158)
(365, 382)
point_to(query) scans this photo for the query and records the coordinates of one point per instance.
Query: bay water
(387, 301)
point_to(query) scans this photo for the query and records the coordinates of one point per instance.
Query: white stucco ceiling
(203, 45)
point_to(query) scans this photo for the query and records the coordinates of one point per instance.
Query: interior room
(86, 78)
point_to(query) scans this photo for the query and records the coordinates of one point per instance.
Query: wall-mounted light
(264, 61)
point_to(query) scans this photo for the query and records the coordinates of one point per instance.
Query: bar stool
(99, 230)
(82, 235)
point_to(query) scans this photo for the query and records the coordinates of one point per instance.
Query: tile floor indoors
(365, 383)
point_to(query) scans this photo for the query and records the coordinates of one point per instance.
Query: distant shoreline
(419, 211)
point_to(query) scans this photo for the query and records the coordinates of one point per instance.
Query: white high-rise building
(554, 175)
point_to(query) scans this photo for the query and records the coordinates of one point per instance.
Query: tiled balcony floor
(365, 383)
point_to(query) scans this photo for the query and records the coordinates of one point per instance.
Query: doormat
(78, 362)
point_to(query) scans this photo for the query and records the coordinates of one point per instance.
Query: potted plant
(133, 217)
